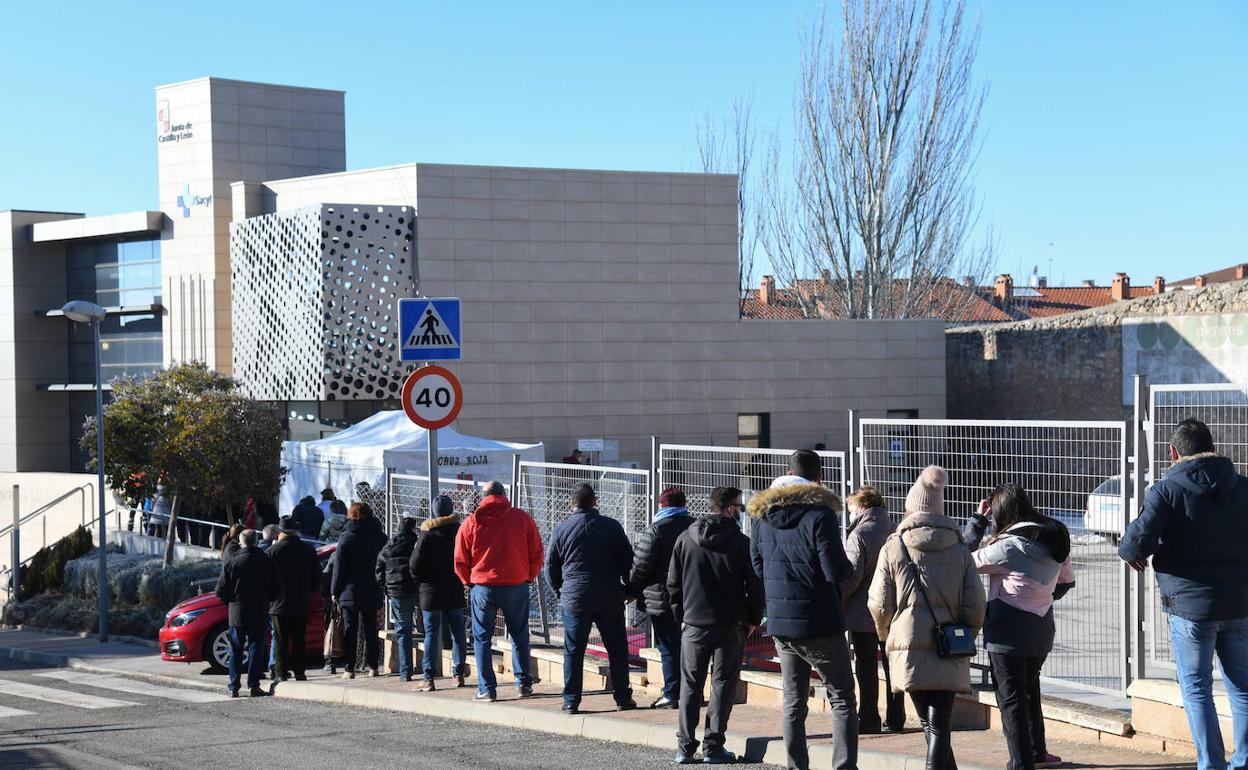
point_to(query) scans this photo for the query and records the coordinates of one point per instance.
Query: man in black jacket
(588, 566)
(300, 571)
(651, 558)
(716, 595)
(248, 584)
(1194, 525)
(308, 518)
(796, 548)
(401, 590)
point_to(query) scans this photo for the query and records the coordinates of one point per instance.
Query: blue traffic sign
(429, 329)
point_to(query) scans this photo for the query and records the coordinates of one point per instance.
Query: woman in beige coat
(902, 619)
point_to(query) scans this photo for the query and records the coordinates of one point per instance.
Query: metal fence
(1074, 472)
(1224, 408)
(545, 491)
(699, 469)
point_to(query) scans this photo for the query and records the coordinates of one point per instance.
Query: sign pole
(432, 446)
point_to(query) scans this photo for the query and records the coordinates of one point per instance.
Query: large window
(122, 274)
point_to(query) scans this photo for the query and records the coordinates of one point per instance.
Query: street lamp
(80, 311)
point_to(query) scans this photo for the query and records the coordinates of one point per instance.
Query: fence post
(653, 478)
(1125, 571)
(15, 593)
(1143, 464)
(852, 481)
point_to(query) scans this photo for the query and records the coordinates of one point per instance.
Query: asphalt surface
(132, 724)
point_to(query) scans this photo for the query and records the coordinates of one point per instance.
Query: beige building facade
(596, 304)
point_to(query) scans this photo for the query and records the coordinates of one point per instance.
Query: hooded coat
(903, 620)
(1028, 566)
(1195, 526)
(863, 540)
(652, 556)
(392, 568)
(499, 545)
(433, 565)
(355, 584)
(796, 549)
(309, 518)
(711, 581)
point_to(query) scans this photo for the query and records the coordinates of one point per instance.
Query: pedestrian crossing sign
(429, 329)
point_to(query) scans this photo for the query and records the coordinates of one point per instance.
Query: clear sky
(1117, 132)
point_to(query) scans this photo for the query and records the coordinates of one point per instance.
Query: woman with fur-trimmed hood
(938, 556)
(441, 593)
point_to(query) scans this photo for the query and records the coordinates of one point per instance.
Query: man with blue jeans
(588, 566)
(498, 551)
(1194, 525)
(249, 583)
(402, 592)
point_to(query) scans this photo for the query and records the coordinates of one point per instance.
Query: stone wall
(1068, 367)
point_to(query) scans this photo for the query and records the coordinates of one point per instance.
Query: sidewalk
(754, 732)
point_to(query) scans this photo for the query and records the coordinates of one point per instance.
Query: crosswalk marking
(121, 684)
(5, 711)
(62, 697)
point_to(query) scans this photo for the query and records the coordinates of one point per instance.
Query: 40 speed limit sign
(432, 397)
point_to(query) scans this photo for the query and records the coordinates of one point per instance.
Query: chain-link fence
(1224, 408)
(1073, 472)
(545, 491)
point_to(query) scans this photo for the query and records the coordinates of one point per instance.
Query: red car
(198, 629)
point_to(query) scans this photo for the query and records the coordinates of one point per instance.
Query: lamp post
(80, 311)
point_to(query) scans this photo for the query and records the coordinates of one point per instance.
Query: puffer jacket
(1195, 526)
(433, 565)
(1028, 567)
(711, 581)
(863, 541)
(653, 555)
(902, 618)
(392, 569)
(355, 584)
(796, 549)
(588, 562)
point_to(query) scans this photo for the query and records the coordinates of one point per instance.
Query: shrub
(73, 613)
(162, 589)
(46, 570)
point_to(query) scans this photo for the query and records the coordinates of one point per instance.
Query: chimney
(1159, 285)
(767, 290)
(968, 281)
(1003, 291)
(1089, 283)
(1200, 282)
(1121, 288)
(1043, 282)
(1241, 271)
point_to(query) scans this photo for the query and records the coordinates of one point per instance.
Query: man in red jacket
(498, 552)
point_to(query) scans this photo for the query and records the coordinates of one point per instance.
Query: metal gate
(1075, 472)
(699, 469)
(545, 491)
(1224, 408)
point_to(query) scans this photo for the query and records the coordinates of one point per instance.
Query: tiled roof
(1217, 276)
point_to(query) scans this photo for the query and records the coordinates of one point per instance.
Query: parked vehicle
(1104, 510)
(198, 629)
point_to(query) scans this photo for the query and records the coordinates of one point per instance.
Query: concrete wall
(1080, 366)
(34, 350)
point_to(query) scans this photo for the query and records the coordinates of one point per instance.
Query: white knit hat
(928, 493)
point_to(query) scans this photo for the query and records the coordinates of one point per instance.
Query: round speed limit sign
(432, 397)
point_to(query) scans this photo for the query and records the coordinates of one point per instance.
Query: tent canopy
(389, 441)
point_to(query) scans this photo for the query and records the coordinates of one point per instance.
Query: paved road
(56, 718)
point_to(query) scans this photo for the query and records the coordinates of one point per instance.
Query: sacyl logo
(186, 200)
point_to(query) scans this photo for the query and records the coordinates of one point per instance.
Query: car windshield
(1107, 487)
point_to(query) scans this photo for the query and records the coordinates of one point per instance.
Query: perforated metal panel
(314, 298)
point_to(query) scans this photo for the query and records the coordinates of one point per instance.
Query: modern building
(597, 304)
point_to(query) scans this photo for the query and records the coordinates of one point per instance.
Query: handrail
(78, 490)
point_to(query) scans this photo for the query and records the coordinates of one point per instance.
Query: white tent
(390, 441)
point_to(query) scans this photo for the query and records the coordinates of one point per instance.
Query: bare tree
(879, 209)
(727, 147)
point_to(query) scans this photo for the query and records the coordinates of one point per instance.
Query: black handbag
(952, 639)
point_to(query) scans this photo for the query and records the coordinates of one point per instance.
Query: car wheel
(217, 648)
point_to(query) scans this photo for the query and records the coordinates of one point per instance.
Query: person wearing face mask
(869, 526)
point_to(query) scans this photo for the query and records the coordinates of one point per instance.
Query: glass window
(118, 273)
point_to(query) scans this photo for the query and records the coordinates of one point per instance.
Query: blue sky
(1117, 132)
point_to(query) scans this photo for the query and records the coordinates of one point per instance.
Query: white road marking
(62, 697)
(121, 684)
(5, 711)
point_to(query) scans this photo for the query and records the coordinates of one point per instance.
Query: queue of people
(902, 598)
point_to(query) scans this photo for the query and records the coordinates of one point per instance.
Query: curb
(769, 750)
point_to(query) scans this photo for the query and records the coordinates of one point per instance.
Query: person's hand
(1139, 565)
(984, 508)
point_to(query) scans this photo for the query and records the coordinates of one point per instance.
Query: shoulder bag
(952, 640)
